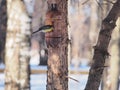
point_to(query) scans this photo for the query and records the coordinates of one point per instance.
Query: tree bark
(17, 47)
(57, 49)
(100, 50)
(115, 60)
(106, 77)
(3, 24)
(119, 53)
(119, 60)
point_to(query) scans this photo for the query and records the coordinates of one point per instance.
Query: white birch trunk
(17, 47)
(115, 59)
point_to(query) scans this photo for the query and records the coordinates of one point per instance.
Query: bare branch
(85, 2)
(99, 4)
(72, 78)
(109, 1)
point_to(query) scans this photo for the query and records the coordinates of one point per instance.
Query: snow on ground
(75, 85)
(38, 81)
(2, 81)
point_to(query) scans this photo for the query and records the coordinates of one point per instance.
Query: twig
(109, 1)
(72, 78)
(85, 2)
(102, 67)
(99, 4)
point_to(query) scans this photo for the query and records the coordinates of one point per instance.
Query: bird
(45, 29)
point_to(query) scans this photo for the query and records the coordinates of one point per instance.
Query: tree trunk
(3, 24)
(100, 50)
(119, 60)
(115, 60)
(57, 49)
(17, 47)
(106, 77)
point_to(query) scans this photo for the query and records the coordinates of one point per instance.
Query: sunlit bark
(57, 49)
(115, 59)
(17, 47)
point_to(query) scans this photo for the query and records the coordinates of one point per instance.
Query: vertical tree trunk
(119, 61)
(100, 50)
(3, 23)
(105, 79)
(57, 49)
(115, 60)
(119, 54)
(17, 47)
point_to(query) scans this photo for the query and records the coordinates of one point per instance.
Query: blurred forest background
(84, 23)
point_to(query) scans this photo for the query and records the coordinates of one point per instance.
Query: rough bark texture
(57, 49)
(100, 50)
(105, 77)
(3, 23)
(17, 47)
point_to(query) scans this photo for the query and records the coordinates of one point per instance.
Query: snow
(75, 85)
(2, 81)
(38, 81)
(38, 67)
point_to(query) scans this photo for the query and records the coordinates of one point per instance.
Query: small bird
(45, 28)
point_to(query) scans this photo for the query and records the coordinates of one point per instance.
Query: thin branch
(95, 0)
(109, 1)
(72, 78)
(85, 2)
(99, 4)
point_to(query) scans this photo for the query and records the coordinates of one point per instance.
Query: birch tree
(115, 59)
(17, 47)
